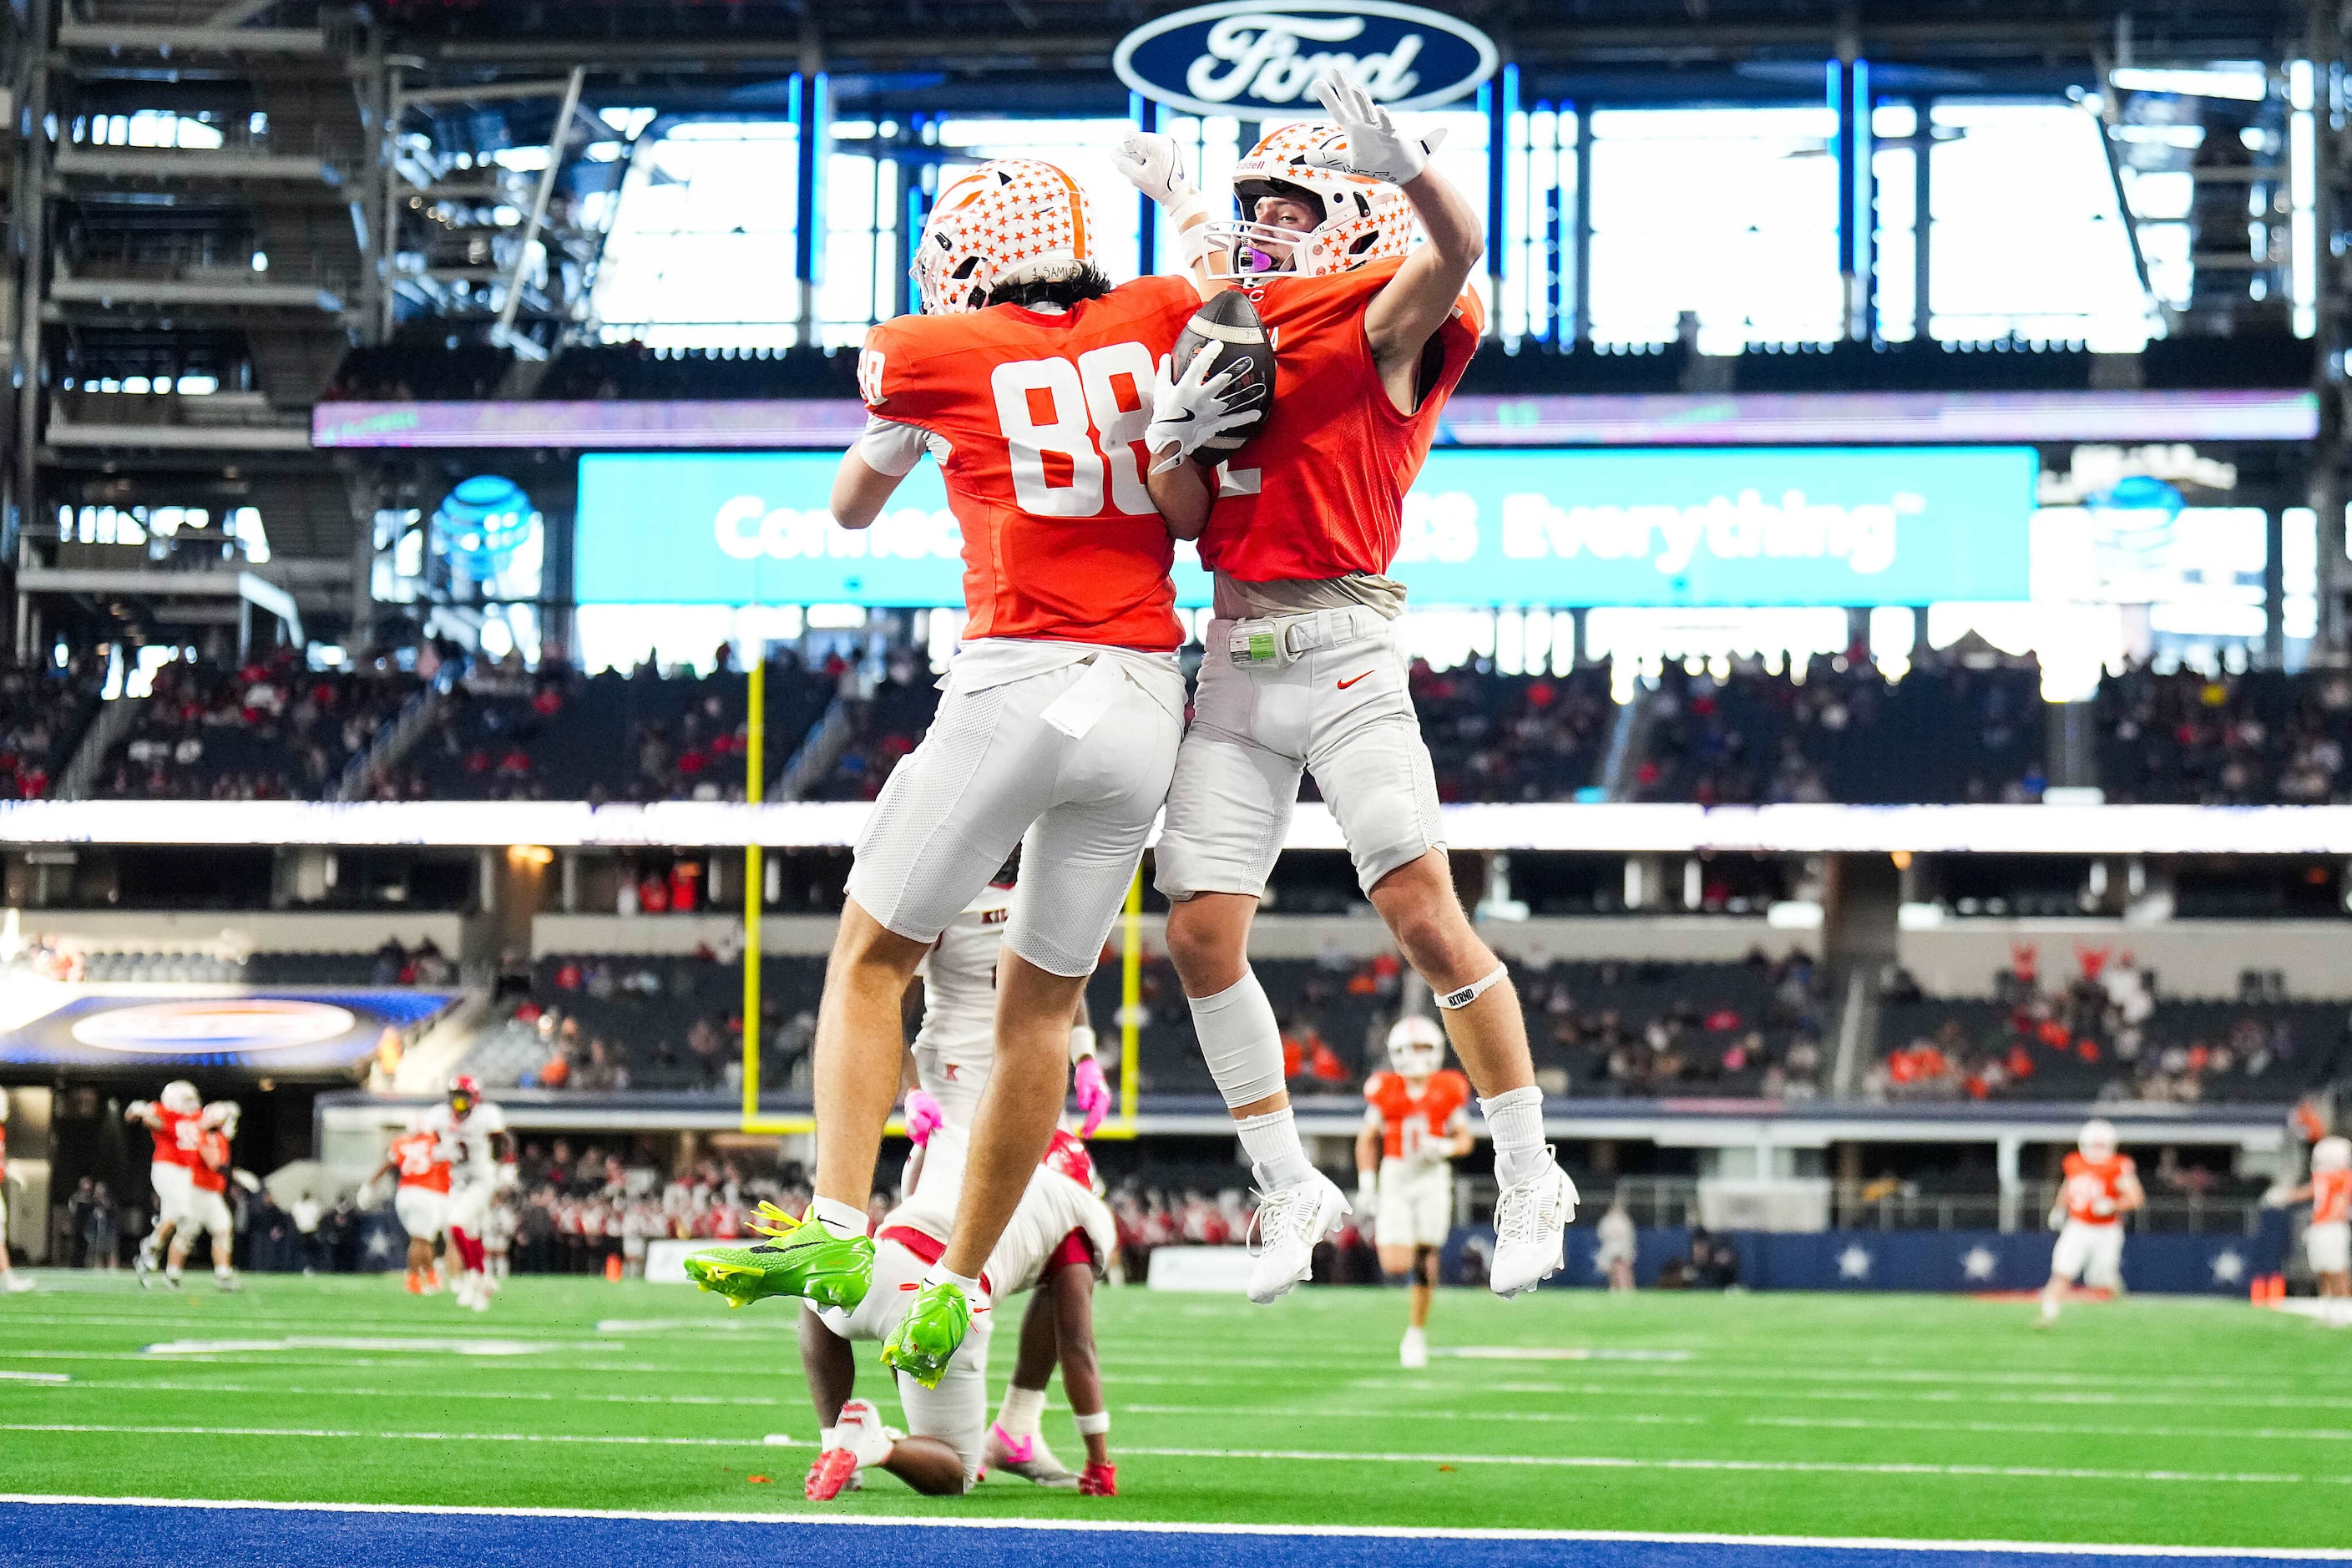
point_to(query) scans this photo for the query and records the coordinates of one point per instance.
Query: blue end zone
(80, 1533)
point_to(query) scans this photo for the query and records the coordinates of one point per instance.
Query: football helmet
(2332, 1154)
(1416, 1046)
(1364, 219)
(181, 1098)
(2098, 1138)
(464, 1093)
(1010, 221)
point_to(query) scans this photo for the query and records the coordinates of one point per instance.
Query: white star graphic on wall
(2229, 1268)
(1979, 1263)
(1854, 1263)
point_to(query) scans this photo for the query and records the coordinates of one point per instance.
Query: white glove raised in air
(1187, 412)
(1154, 164)
(1376, 149)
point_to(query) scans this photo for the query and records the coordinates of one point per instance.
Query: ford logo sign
(1259, 61)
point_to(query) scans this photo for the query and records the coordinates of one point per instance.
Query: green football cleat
(800, 1257)
(925, 1339)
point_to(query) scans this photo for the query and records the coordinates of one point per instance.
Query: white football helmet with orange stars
(1010, 221)
(1364, 219)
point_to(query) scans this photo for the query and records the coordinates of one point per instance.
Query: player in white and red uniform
(207, 1209)
(176, 1120)
(11, 1284)
(2328, 1243)
(1370, 335)
(473, 1135)
(1029, 379)
(2102, 1187)
(1416, 1119)
(421, 1201)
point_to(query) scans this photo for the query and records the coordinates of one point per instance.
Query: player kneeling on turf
(2102, 1187)
(1416, 1120)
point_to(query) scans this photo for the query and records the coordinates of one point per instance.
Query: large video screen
(1882, 525)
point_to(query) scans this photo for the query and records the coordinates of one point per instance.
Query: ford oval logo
(1258, 61)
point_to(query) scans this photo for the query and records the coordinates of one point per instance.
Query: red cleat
(1098, 1480)
(415, 1284)
(830, 1474)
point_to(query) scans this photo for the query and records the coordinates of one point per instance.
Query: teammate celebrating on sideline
(2328, 1243)
(473, 1137)
(11, 1283)
(1414, 1122)
(1370, 335)
(1029, 377)
(207, 1210)
(175, 1120)
(421, 1201)
(2102, 1187)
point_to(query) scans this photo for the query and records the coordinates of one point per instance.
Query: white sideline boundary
(1139, 1527)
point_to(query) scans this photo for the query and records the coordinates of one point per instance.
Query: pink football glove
(1093, 1095)
(923, 1117)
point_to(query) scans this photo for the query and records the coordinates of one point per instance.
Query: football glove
(1368, 1197)
(1375, 148)
(1154, 164)
(1092, 1093)
(923, 1117)
(1188, 412)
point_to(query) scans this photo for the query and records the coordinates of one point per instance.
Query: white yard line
(325, 1432)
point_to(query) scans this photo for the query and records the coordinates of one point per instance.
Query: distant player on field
(1029, 378)
(1370, 335)
(473, 1135)
(11, 1283)
(1416, 1120)
(421, 1201)
(2102, 1187)
(207, 1209)
(2328, 1243)
(176, 1120)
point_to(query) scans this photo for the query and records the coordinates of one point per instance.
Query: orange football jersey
(421, 1165)
(1410, 1117)
(210, 1170)
(2331, 1197)
(176, 1137)
(1319, 490)
(1043, 415)
(2095, 1187)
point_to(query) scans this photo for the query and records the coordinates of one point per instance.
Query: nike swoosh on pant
(1345, 684)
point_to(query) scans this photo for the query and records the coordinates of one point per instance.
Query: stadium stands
(268, 729)
(2264, 738)
(43, 711)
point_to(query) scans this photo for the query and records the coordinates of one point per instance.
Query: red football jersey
(421, 1163)
(2094, 1188)
(209, 1172)
(1044, 417)
(2331, 1197)
(1411, 1117)
(1067, 1152)
(176, 1137)
(1319, 490)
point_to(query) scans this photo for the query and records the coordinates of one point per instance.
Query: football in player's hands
(1230, 322)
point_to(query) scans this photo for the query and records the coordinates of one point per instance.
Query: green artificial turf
(2202, 1422)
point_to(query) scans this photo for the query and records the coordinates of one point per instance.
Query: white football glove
(1367, 1198)
(1154, 164)
(1185, 412)
(1376, 149)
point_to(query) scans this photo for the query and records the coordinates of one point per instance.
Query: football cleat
(928, 1337)
(228, 1283)
(1027, 1458)
(1413, 1353)
(864, 1441)
(18, 1284)
(1532, 1221)
(800, 1257)
(142, 1264)
(856, 1483)
(1099, 1480)
(1289, 1223)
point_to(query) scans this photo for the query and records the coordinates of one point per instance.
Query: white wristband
(1191, 238)
(1093, 1425)
(1082, 1044)
(1464, 996)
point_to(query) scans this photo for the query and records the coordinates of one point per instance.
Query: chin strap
(1464, 996)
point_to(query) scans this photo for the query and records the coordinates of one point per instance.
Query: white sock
(1240, 1041)
(828, 1439)
(1271, 1143)
(839, 1218)
(1022, 1410)
(940, 1274)
(1515, 1120)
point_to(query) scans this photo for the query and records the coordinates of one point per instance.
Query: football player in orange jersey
(208, 1209)
(176, 1121)
(1370, 333)
(2328, 1243)
(2102, 1187)
(421, 1201)
(1029, 378)
(1416, 1119)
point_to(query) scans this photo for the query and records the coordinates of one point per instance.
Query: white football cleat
(18, 1284)
(1413, 1354)
(1288, 1224)
(1027, 1458)
(863, 1442)
(1531, 1219)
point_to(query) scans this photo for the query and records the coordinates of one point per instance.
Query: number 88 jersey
(1038, 418)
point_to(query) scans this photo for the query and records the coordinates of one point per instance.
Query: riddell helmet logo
(1261, 61)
